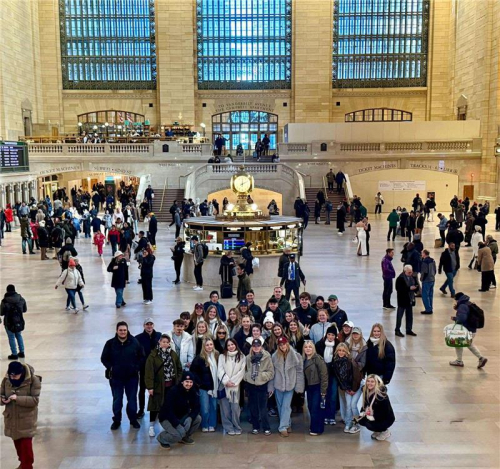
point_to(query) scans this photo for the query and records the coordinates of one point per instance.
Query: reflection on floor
(446, 417)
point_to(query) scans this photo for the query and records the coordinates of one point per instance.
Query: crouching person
(180, 413)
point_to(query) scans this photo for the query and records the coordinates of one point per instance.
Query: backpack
(476, 315)
(14, 320)
(204, 247)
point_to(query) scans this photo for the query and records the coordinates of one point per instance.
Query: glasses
(221, 333)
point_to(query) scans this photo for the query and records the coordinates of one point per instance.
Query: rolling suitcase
(226, 289)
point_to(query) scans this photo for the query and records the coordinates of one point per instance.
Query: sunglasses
(221, 333)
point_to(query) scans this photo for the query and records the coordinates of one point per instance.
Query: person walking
(180, 413)
(466, 318)
(147, 263)
(99, 240)
(377, 414)
(119, 268)
(341, 217)
(486, 266)
(406, 287)
(178, 258)
(450, 263)
(493, 245)
(198, 260)
(149, 194)
(12, 308)
(339, 179)
(114, 239)
(71, 279)
(393, 219)
(330, 177)
(26, 234)
(428, 272)
(259, 370)
(43, 239)
(9, 218)
(79, 289)
(328, 211)
(20, 395)
(177, 221)
(163, 370)
(316, 386)
(288, 378)
(122, 356)
(388, 276)
(293, 277)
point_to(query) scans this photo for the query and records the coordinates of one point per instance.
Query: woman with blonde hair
(213, 320)
(349, 380)
(276, 333)
(316, 385)
(204, 366)
(231, 371)
(295, 335)
(380, 354)
(376, 413)
(201, 332)
(233, 322)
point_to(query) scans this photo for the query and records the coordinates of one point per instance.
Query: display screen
(13, 156)
(233, 244)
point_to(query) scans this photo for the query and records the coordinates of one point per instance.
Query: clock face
(242, 184)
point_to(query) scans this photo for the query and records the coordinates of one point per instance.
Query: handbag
(221, 389)
(457, 335)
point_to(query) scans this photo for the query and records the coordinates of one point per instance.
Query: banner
(416, 186)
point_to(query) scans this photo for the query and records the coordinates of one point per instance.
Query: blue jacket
(463, 312)
(443, 223)
(148, 342)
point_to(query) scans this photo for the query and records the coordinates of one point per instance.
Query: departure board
(13, 156)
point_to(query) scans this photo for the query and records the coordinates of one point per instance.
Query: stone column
(3, 194)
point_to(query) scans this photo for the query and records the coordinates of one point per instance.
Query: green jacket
(25, 228)
(244, 286)
(363, 211)
(155, 379)
(393, 219)
(265, 370)
(315, 372)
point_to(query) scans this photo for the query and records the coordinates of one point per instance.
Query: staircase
(168, 196)
(332, 196)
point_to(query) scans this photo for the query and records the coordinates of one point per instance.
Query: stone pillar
(3, 194)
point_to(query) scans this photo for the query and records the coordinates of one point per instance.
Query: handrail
(163, 194)
(323, 178)
(304, 175)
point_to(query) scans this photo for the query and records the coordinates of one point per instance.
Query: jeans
(80, 295)
(119, 296)
(328, 213)
(284, 402)
(71, 297)
(331, 398)
(13, 336)
(208, 406)
(378, 208)
(428, 295)
(460, 350)
(449, 282)
(257, 401)
(409, 317)
(113, 248)
(30, 244)
(171, 436)
(350, 406)
(393, 230)
(197, 274)
(386, 295)
(316, 413)
(130, 387)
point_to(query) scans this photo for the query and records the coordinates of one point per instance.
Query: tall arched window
(108, 44)
(380, 43)
(244, 44)
(245, 127)
(381, 114)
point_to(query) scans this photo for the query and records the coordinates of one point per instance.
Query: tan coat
(485, 259)
(21, 415)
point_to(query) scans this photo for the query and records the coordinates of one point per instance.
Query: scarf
(168, 363)
(410, 281)
(355, 348)
(255, 360)
(17, 382)
(213, 326)
(343, 370)
(374, 341)
(328, 354)
(232, 354)
(213, 370)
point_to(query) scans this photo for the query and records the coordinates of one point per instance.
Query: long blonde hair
(309, 342)
(206, 335)
(382, 341)
(379, 391)
(351, 342)
(345, 348)
(204, 354)
(273, 340)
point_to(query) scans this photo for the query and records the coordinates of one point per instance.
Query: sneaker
(85, 306)
(231, 433)
(195, 287)
(187, 440)
(313, 434)
(399, 334)
(493, 286)
(255, 431)
(333, 422)
(237, 432)
(118, 307)
(115, 425)
(354, 429)
(347, 429)
(140, 414)
(272, 413)
(67, 308)
(135, 424)
(482, 361)
(148, 302)
(198, 289)
(327, 422)
(211, 429)
(152, 433)
(386, 307)
(75, 310)
(177, 282)
(165, 445)
(392, 307)
(13, 357)
(457, 363)
(267, 432)
(21, 355)
(284, 433)
(444, 292)
(123, 303)
(426, 312)
(375, 435)
(383, 435)
(204, 430)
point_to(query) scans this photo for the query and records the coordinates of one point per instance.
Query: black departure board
(13, 156)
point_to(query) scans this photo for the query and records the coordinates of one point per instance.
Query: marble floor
(446, 417)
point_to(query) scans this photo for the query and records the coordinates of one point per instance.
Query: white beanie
(268, 318)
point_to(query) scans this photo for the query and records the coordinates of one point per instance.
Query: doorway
(469, 191)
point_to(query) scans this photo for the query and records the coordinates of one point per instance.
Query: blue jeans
(315, 411)
(80, 294)
(119, 296)
(208, 412)
(331, 398)
(130, 387)
(428, 295)
(13, 336)
(449, 281)
(350, 407)
(284, 403)
(30, 244)
(71, 297)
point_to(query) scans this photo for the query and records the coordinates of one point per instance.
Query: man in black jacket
(307, 315)
(180, 413)
(119, 268)
(122, 357)
(13, 307)
(450, 263)
(336, 314)
(406, 288)
(152, 229)
(293, 276)
(148, 339)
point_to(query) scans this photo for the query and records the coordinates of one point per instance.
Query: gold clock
(242, 183)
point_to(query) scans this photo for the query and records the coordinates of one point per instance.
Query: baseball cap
(348, 323)
(356, 330)
(148, 320)
(199, 305)
(282, 340)
(332, 297)
(256, 342)
(243, 303)
(292, 256)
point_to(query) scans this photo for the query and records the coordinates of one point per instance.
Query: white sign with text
(401, 186)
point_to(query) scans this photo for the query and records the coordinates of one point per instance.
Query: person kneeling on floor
(180, 413)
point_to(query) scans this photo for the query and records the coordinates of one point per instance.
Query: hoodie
(388, 271)
(463, 313)
(428, 270)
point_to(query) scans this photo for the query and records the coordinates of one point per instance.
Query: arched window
(380, 43)
(245, 127)
(381, 114)
(108, 44)
(124, 119)
(244, 44)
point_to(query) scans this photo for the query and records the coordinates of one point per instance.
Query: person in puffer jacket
(71, 279)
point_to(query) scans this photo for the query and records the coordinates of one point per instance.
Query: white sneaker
(375, 435)
(383, 435)
(195, 287)
(152, 433)
(76, 310)
(211, 429)
(198, 289)
(148, 302)
(204, 430)
(354, 429)
(67, 308)
(347, 429)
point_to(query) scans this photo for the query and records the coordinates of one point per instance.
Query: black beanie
(332, 329)
(187, 375)
(11, 288)
(458, 295)
(15, 368)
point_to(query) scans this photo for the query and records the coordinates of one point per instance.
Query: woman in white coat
(362, 246)
(477, 238)
(71, 279)
(231, 371)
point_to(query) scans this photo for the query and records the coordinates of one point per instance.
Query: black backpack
(14, 320)
(476, 315)
(205, 250)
